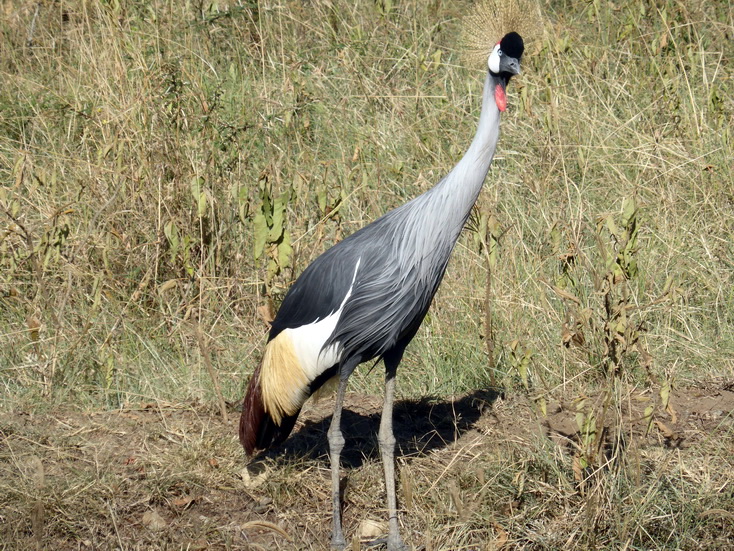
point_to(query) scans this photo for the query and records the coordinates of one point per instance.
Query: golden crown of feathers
(490, 20)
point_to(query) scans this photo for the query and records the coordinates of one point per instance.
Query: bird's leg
(336, 444)
(386, 439)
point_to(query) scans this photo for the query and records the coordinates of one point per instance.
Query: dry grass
(167, 169)
(475, 473)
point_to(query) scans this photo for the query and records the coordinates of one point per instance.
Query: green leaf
(171, 233)
(260, 229)
(649, 417)
(195, 186)
(321, 199)
(278, 219)
(267, 207)
(668, 284)
(18, 170)
(109, 371)
(543, 406)
(272, 269)
(665, 394)
(199, 194)
(242, 194)
(523, 369)
(629, 211)
(384, 6)
(285, 251)
(493, 226)
(612, 226)
(632, 268)
(202, 204)
(555, 235)
(580, 421)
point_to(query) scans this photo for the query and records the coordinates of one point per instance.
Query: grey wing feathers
(399, 274)
(402, 257)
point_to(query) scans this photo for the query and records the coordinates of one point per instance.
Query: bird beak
(509, 65)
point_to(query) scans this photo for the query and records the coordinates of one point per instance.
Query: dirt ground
(155, 476)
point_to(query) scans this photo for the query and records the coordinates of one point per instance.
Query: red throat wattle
(500, 98)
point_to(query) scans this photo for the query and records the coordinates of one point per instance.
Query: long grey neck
(431, 223)
(478, 157)
(459, 190)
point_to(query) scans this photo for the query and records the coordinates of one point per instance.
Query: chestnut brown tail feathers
(274, 397)
(252, 416)
(258, 430)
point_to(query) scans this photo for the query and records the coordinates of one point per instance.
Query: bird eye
(499, 52)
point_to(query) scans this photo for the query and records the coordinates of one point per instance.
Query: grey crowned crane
(365, 298)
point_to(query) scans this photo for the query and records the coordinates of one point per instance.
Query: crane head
(503, 62)
(509, 24)
(505, 56)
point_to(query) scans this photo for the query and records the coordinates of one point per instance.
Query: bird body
(366, 297)
(371, 290)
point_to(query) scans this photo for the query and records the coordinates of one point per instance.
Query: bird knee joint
(386, 441)
(336, 441)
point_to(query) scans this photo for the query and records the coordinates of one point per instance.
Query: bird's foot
(392, 544)
(338, 542)
(395, 543)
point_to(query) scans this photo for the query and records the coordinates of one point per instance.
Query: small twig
(38, 512)
(29, 40)
(488, 326)
(114, 525)
(204, 351)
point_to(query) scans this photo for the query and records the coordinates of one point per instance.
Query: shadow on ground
(166, 476)
(420, 426)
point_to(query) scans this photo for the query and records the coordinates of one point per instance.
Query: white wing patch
(308, 340)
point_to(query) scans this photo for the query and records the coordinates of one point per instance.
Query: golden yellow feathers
(491, 20)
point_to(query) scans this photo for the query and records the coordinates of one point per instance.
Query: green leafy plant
(608, 323)
(272, 240)
(619, 255)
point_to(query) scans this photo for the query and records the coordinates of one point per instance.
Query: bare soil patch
(169, 476)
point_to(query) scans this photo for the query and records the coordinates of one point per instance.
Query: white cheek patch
(494, 60)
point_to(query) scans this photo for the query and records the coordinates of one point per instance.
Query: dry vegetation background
(166, 170)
